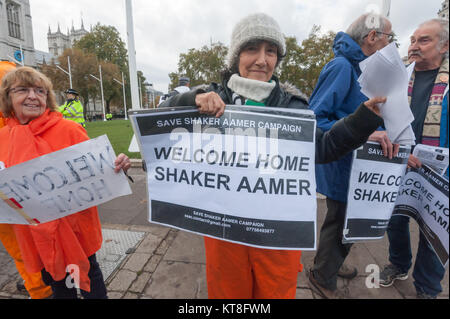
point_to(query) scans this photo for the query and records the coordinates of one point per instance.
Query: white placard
(424, 197)
(247, 177)
(61, 183)
(373, 190)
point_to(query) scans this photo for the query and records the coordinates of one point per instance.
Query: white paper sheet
(384, 74)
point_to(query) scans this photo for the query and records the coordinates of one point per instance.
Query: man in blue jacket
(337, 94)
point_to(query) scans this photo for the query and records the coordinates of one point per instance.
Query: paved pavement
(170, 264)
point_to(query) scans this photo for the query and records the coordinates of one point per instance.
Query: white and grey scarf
(254, 90)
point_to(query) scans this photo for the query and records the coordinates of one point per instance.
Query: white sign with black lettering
(61, 183)
(434, 157)
(423, 196)
(373, 190)
(247, 177)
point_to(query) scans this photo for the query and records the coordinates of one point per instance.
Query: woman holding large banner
(257, 48)
(35, 128)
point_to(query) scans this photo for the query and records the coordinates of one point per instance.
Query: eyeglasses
(24, 91)
(390, 36)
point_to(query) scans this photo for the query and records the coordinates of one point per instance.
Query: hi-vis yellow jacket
(73, 111)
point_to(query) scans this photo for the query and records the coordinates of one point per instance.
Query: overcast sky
(165, 28)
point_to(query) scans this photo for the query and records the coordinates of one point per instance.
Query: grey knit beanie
(257, 26)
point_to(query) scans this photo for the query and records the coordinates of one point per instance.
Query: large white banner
(373, 189)
(424, 197)
(61, 183)
(247, 177)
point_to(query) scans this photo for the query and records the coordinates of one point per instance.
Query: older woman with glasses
(35, 128)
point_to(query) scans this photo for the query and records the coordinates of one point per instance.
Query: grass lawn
(120, 133)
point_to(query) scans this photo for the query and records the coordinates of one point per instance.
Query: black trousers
(61, 291)
(331, 252)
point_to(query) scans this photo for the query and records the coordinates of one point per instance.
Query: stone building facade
(58, 41)
(16, 31)
(443, 13)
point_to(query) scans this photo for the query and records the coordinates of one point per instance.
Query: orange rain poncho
(2, 120)
(5, 67)
(33, 281)
(69, 240)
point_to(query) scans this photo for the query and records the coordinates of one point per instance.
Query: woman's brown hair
(27, 77)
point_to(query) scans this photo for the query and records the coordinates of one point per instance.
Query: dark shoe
(20, 286)
(347, 272)
(323, 292)
(390, 274)
(422, 295)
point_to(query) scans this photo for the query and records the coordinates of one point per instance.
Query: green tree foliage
(82, 65)
(202, 66)
(303, 63)
(105, 43)
(289, 70)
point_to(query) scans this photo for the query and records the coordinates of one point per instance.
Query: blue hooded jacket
(337, 94)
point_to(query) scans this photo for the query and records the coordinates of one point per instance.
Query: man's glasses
(390, 36)
(23, 91)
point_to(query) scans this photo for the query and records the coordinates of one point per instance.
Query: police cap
(72, 91)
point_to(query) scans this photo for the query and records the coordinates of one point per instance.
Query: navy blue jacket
(337, 94)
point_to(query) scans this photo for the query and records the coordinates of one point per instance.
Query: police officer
(73, 109)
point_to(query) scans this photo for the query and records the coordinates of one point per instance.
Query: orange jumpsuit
(33, 281)
(235, 271)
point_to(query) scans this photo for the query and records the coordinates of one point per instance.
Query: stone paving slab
(122, 280)
(304, 294)
(187, 247)
(178, 280)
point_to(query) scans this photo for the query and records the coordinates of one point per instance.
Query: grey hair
(443, 32)
(361, 27)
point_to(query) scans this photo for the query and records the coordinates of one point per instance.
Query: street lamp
(68, 73)
(101, 87)
(124, 97)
